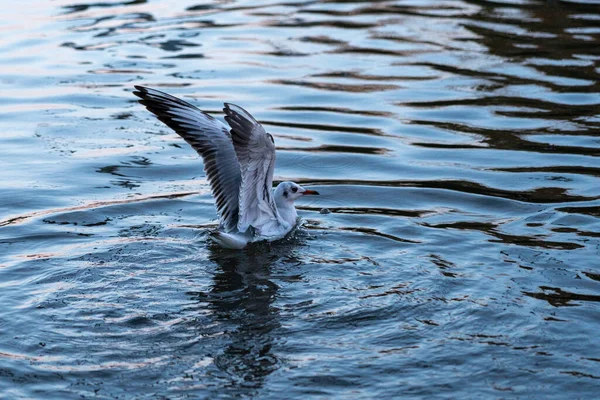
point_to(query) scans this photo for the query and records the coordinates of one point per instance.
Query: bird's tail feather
(230, 240)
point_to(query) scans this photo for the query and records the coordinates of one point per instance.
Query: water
(455, 143)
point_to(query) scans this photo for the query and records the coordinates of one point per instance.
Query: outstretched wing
(211, 139)
(255, 151)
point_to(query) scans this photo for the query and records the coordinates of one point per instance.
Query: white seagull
(239, 165)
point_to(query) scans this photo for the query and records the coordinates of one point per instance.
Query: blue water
(455, 144)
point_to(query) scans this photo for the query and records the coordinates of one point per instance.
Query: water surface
(455, 143)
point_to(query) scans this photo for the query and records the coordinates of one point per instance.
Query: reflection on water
(454, 144)
(241, 298)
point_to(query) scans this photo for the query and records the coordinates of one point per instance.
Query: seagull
(239, 163)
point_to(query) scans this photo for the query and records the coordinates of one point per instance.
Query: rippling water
(455, 143)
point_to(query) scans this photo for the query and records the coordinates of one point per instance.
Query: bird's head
(290, 191)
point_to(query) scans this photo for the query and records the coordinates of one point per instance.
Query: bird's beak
(310, 192)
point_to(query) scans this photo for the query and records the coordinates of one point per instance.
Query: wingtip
(227, 108)
(231, 109)
(140, 92)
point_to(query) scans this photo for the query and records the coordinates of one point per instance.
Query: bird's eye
(285, 194)
(294, 189)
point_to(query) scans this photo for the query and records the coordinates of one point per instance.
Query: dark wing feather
(211, 139)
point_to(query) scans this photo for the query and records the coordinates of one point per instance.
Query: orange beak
(310, 192)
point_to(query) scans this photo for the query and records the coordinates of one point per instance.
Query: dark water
(455, 143)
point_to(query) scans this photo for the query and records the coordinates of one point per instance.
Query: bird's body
(239, 164)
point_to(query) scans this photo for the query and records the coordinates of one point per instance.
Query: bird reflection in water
(241, 302)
